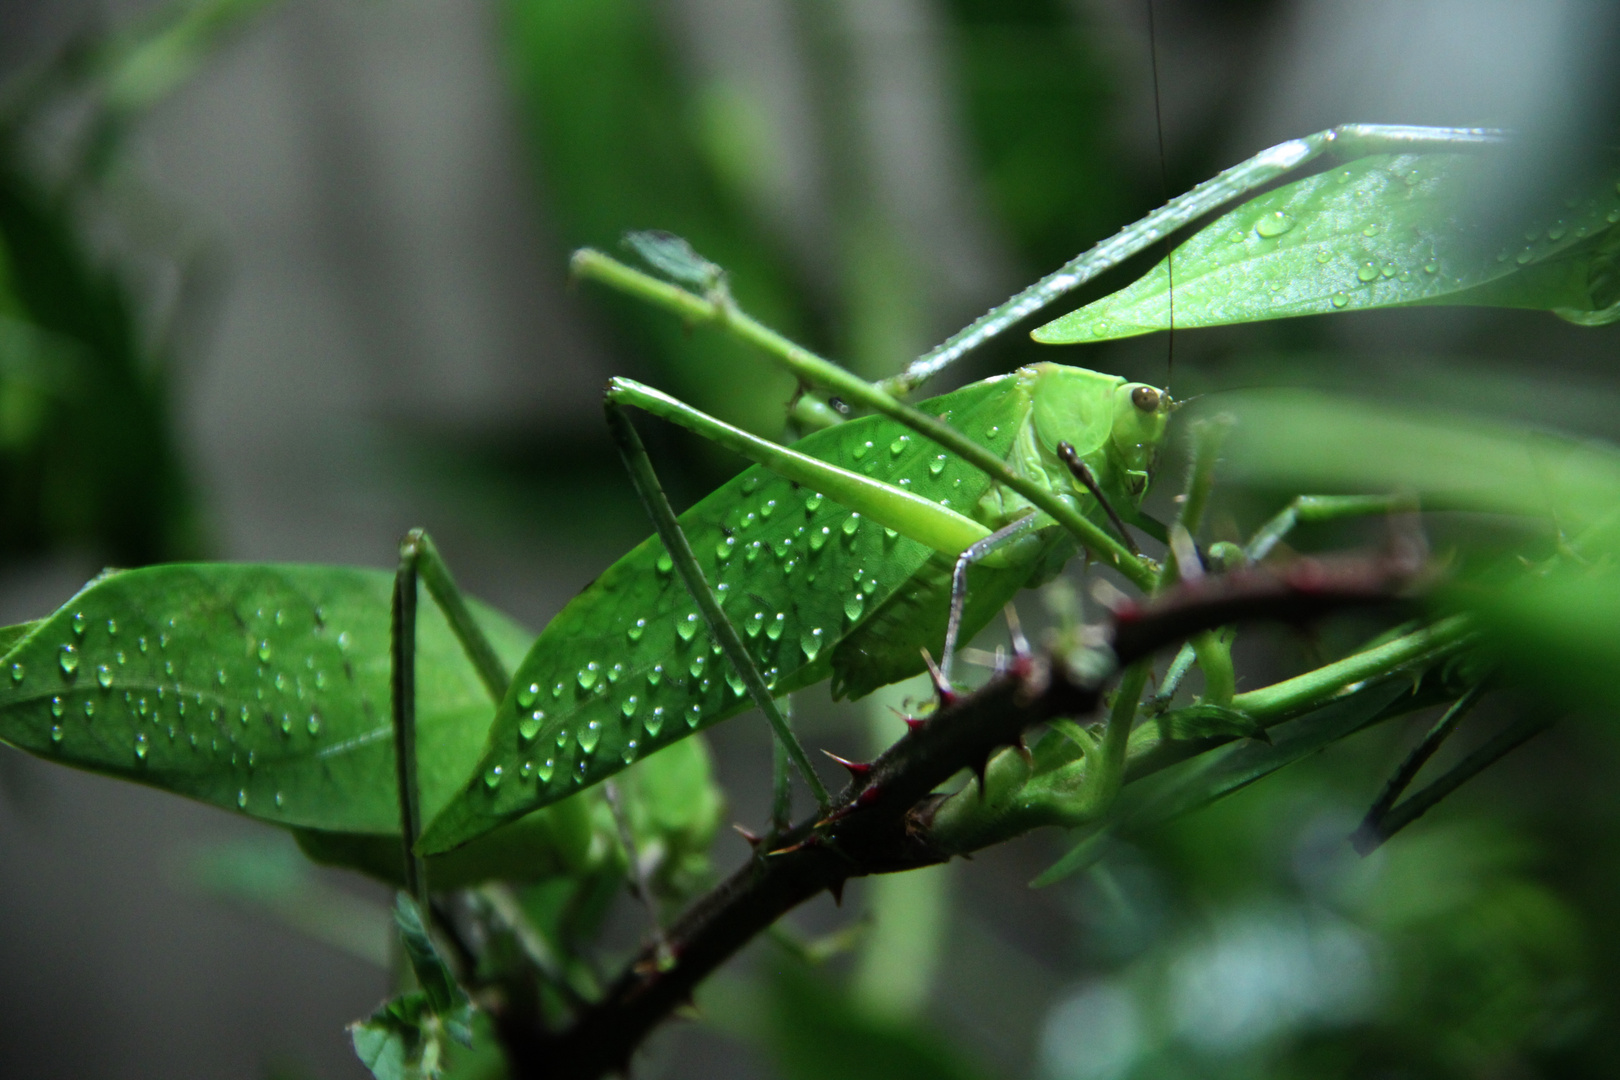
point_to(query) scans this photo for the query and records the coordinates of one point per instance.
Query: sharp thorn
(837, 890)
(942, 686)
(916, 723)
(1015, 631)
(753, 838)
(857, 769)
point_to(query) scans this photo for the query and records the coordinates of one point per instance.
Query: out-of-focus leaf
(444, 995)
(672, 256)
(1558, 633)
(1204, 721)
(404, 1038)
(1382, 231)
(263, 689)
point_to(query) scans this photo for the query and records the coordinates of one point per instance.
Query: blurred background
(279, 280)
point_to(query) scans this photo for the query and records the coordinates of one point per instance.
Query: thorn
(753, 838)
(837, 890)
(857, 769)
(1015, 631)
(941, 686)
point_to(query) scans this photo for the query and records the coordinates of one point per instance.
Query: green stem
(670, 532)
(812, 369)
(402, 660)
(442, 587)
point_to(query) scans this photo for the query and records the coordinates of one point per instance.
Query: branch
(875, 826)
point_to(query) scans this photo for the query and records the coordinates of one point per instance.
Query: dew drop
(279, 798)
(851, 524)
(752, 551)
(1388, 270)
(890, 535)
(724, 548)
(112, 627)
(526, 696)
(1524, 257)
(140, 747)
(631, 750)
(750, 483)
(344, 641)
(768, 509)
(587, 676)
(69, 660)
(861, 449)
(286, 723)
(773, 629)
(590, 735)
(492, 779)
(898, 447)
(818, 539)
(755, 623)
(655, 721)
(56, 706)
(687, 627)
(1368, 271)
(1370, 230)
(1235, 236)
(936, 466)
(813, 503)
(545, 769)
(529, 726)
(241, 798)
(615, 673)
(1340, 299)
(78, 623)
(854, 605)
(1431, 267)
(630, 705)
(697, 664)
(664, 563)
(810, 642)
(694, 715)
(56, 733)
(1557, 231)
(313, 724)
(119, 656)
(1324, 256)
(656, 675)
(141, 643)
(89, 709)
(557, 690)
(17, 672)
(1612, 216)
(1273, 224)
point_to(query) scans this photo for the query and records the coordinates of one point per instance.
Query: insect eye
(1146, 398)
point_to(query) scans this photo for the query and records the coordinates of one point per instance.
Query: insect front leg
(997, 541)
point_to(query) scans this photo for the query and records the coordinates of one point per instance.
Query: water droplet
(898, 447)
(492, 779)
(89, 709)
(562, 738)
(141, 643)
(694, 715)
(112, 627)
(773, 629)
(557, 690)
(1274, 224)
(279, 798)
(1612, 216)
(696, 666)
(104, 676)
(119, 656)
(590, 735)
(851, 524)
(754, 624)
(526, 696)
(656, 675)
(630, 751)
(1340, 299)
(1524, 257)
(752, 551)
(861, 449)
(219, 674)
(750, 482)
(78, 623)
(1388, 270)
(818, 539)
(286, 722)
(529, 726)
(313, 724)
(56, 706)
(141, 707)
(664, 563)
(768, 509)
(630, 705)
(725, 547)
(1324, 255)
(687, 627)
(890, 535)
(615, 673)
(735, 681)
(69, 660)
(17, 672)
(854, 604)
(241, 798)
(1370, 230)
(1557, 230)
(545, 769)
(1431, 267)
(813, 503)
(1404, 275)
(1235, 236)
(587, 676)
(1368, 271)
(344, 640)
(655, 721)
(140, 747)
(56, 733)
(936, 466)
(810, 642)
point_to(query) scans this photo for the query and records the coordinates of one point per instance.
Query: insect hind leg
(996, 541)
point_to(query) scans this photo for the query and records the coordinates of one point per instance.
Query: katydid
(834, 557)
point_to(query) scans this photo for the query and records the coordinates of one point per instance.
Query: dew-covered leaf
(263, 689)
(1381, 231)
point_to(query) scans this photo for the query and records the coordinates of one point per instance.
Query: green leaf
(444, 995)
(262, 689)
(676, 259)
(1382, 231)
(1206, 721)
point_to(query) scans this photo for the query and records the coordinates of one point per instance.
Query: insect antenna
(1164, 188)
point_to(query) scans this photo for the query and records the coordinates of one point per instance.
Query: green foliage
(1382, 231)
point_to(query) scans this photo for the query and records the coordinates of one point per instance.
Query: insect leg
(645, 479)
(1082, 472)
(402, 669)
(997, 540)
(1310, 509)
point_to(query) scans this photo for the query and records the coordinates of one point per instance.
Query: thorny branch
(879, 823)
